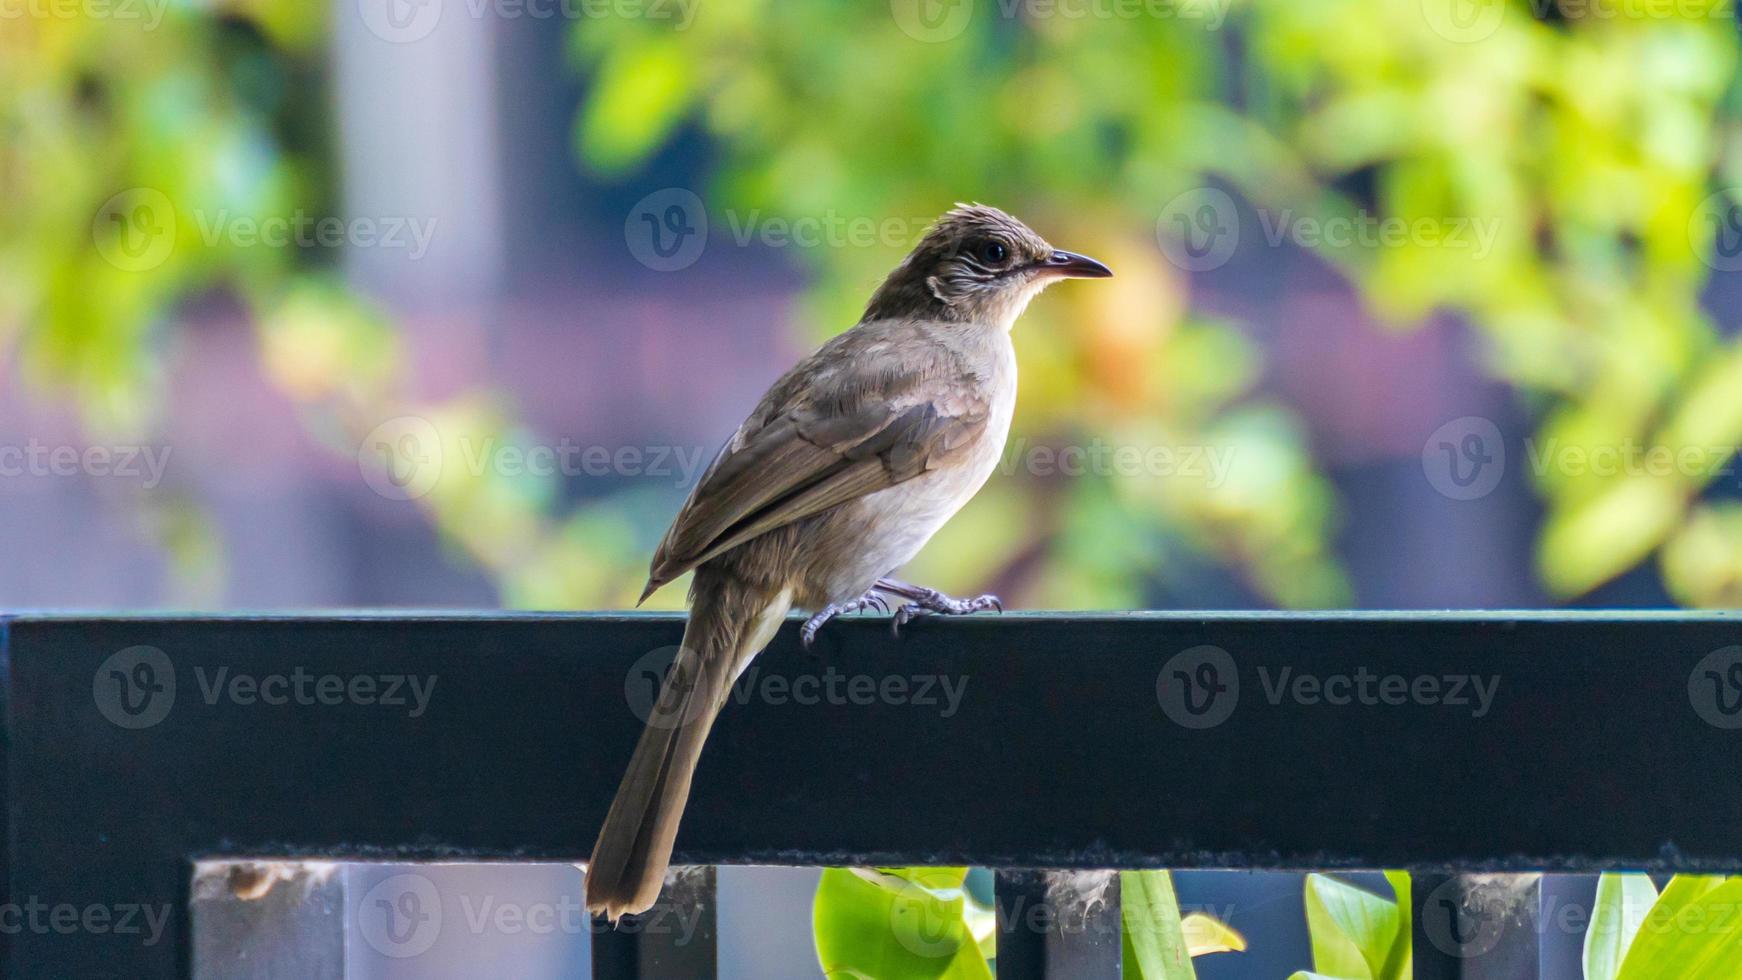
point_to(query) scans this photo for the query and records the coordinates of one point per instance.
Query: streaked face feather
(977, 264)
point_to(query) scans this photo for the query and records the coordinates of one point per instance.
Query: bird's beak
(1074, 266)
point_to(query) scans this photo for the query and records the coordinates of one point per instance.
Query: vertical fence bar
(266, 920)
(1476, 927)
(677, 939)
(1058, 924)
(1434, 902)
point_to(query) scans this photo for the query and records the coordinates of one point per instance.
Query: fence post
(1476, 927)
(1058, 924)
(262, 920)
(677, 939)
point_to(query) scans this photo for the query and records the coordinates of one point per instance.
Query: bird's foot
(870, 600)
(922, 600)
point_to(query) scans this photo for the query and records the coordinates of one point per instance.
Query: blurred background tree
(1552, 179)
(1591, 145)
(1588, 143)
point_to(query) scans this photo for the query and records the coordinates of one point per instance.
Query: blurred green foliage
(125, 141)
(1591, 143)
(1599, 149)
(1638, 934)
(834, 111)
(1357, 935)
(900, 922)
(1587, 144)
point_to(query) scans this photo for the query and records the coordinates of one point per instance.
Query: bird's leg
(922, 600)
(870, 600)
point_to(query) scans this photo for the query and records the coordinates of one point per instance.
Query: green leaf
(1352, 930)
(1154, 944)
(895, 922)
(1206, 934)
(1399, 964)
(643, 90)
(1692, 933)
(1623, 900)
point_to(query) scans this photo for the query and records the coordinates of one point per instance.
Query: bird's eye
(993, 252)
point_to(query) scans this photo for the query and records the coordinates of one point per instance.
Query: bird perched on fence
(849, 464)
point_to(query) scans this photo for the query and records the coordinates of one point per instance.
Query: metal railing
(136, 748)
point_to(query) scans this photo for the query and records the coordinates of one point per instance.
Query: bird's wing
(836, 428)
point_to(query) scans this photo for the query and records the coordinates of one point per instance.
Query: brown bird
(849, 464)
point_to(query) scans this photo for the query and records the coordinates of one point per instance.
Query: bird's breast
(880, 532)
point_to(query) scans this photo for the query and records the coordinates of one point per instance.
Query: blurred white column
(414, 82)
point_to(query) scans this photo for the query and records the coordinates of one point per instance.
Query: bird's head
(978, 265)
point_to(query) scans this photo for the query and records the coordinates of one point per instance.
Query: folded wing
(868, 426)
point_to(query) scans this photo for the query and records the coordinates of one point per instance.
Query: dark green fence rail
(1443, 744)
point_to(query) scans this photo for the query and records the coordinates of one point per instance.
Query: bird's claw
(807, 634)
(944, 605)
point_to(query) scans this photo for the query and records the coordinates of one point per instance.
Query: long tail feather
(727, 626)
